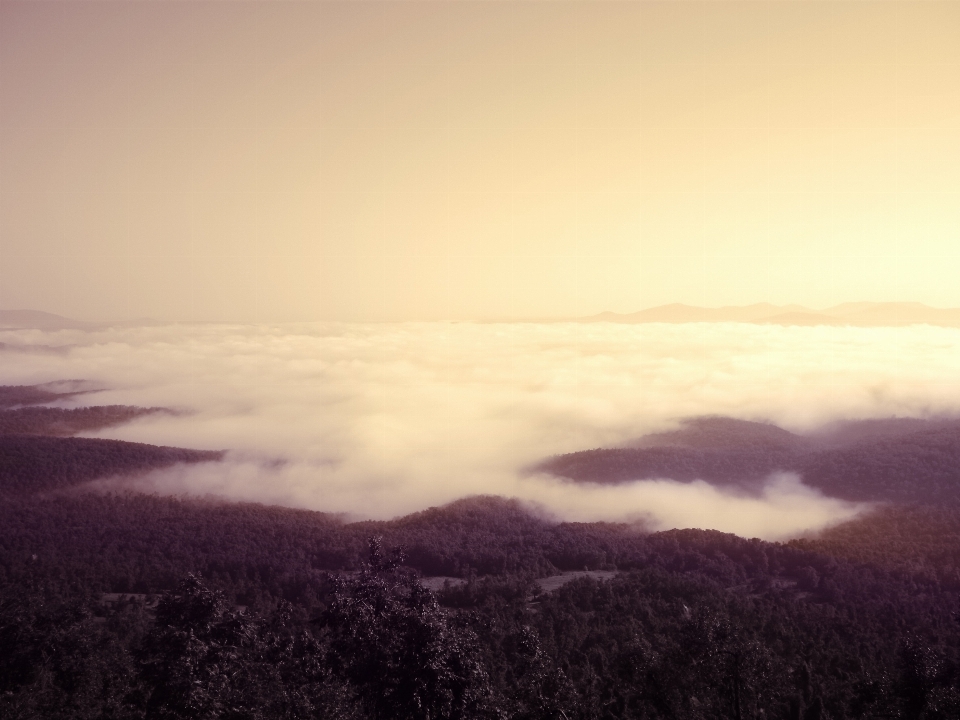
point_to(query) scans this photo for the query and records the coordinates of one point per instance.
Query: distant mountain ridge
(39, 320)
(860, 314)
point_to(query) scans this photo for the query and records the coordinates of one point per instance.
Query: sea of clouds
(379, 420)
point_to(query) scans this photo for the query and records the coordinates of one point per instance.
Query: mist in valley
(380, 420)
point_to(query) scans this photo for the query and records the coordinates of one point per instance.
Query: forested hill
(27, 395)
(898, 460)
(24, 410)
(37, 452)
(64, 422)
(31, 464)
(128, 542)
(695, 625)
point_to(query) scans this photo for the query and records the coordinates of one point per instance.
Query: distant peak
(39, 320)
(864, 314)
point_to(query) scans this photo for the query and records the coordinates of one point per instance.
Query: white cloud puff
(383, 419)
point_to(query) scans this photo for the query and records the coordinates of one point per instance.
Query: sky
(436, 160)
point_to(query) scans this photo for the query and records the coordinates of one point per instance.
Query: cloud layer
(384, 419)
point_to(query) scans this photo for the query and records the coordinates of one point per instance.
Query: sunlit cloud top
(384, 419)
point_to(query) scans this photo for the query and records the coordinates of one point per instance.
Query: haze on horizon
(255, 161)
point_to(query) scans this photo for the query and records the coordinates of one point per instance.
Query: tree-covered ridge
(64, 422)
(31, 464)
(38, 454)
(921, 541)
(23, 411)
(895, 460)
(28, 395)
(143, 543)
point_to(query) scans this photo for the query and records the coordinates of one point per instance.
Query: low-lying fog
(384, 419)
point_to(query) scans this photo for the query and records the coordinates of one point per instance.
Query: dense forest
(125, 605)
(694, 623)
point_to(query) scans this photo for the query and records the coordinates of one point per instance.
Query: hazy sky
(367, 160)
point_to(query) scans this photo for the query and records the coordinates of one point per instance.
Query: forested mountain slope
(65, 422)
(31, 464)
(12, 396)
(895, 460)
(37, 452)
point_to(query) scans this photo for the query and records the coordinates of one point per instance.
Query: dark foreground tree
(405, 654)
(928, 686)
(204, 659)
(58, 662)
(542, 690)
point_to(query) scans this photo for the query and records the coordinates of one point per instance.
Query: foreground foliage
(696, 624)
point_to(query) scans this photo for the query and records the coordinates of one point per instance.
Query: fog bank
(381, 420)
